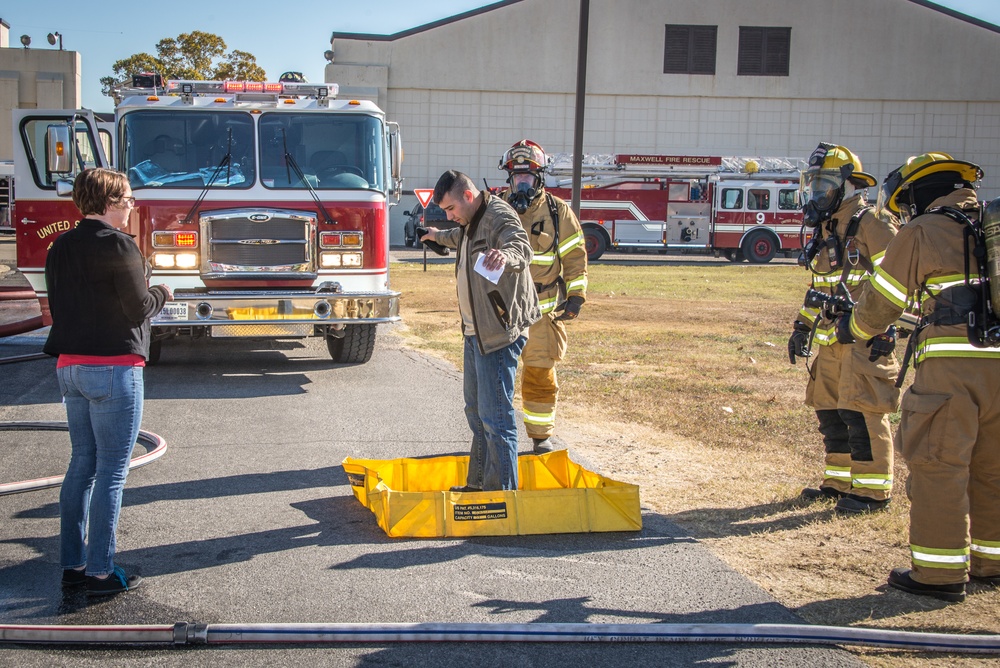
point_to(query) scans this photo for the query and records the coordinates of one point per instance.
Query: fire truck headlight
(164, 260)
(187, 260)
(330, 259)
(352, 259)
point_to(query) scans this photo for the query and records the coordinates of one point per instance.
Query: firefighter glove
(798, 342)
(883, 344)
(843, 326)
(570, 308)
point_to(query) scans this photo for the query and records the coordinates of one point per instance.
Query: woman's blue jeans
(104, 409)
(489, 408)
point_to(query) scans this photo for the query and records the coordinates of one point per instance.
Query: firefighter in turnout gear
(950, 424)
(559, 271)
(851, 387)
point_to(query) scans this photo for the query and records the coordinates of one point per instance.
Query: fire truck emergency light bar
(190, 87)
(194, 87)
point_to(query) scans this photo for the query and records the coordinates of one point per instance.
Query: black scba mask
(521, 197)
(523, 194)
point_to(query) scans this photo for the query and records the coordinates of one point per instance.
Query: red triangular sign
(423, 195)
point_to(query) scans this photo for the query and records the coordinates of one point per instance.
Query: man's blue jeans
(489, 408)
(104, 409)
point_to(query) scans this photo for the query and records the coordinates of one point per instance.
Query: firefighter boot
(811, 494)
(852, 504)
(540, 446)
(990, 580)
(900, 578)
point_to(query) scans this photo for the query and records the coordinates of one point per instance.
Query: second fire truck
(264, 206)
(737, 207)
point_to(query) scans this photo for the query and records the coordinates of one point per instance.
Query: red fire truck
(738, 207)
(264, 206)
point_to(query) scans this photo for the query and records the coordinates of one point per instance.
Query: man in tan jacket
(498, 304)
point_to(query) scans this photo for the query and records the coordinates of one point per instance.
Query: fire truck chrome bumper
(311, 308)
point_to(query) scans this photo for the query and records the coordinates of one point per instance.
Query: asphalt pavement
(249, 518)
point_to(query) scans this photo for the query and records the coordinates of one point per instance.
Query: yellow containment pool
(410, 497)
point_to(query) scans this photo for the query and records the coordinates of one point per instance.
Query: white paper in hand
(493, 276)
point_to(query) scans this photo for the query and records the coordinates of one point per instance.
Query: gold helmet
(524, 158)
(910, 188)
(821, 185)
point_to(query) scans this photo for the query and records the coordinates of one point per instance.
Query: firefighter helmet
(910, 188)
(525, 158)
(823, 183)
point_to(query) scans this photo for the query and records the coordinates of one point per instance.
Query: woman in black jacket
(101, 307)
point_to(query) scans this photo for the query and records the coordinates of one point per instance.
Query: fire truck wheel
(155, 348)
(355, 346)
(759, 247)
(595, 244)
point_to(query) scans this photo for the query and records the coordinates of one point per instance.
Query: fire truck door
(731, 209)
(50, 148)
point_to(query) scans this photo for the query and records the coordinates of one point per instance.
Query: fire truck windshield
(183, 149)
(342, 151)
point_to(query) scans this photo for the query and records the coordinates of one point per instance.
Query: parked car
(432, 216)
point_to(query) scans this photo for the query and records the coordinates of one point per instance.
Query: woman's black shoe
(115, 583)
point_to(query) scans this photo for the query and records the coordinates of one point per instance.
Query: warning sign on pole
(423, 195)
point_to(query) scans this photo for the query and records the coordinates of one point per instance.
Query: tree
(191, 55)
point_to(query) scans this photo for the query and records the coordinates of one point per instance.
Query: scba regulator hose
(184, 633)
(154, 444)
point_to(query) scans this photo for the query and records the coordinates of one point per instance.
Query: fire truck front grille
(258, 241)
(259, 256)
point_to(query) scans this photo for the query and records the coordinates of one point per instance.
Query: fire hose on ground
(185, 633)
(154, 444)
(8, 293)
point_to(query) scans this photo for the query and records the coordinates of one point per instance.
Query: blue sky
(283, 36)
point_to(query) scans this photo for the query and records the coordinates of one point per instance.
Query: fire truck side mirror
(64, 188)
(396, 158)
(59, 153)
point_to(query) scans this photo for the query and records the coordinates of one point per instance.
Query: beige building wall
(888, 79)
(30, 78)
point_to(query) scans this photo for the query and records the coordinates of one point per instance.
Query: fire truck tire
(155, 348)
(595, 243)
(355, 346)
(759, 247)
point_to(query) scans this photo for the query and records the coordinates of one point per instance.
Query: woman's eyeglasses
(128, 201)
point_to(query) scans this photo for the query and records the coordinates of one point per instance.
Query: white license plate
(174, 311)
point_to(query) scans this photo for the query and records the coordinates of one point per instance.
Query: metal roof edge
(957, 15)
(423, 28)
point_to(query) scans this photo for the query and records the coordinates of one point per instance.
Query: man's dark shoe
(73, 578)
(859, 505)
(464, 488)
(542, 445)
(115, 583)
(900, 578)
(812, 494)
(990, 580)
